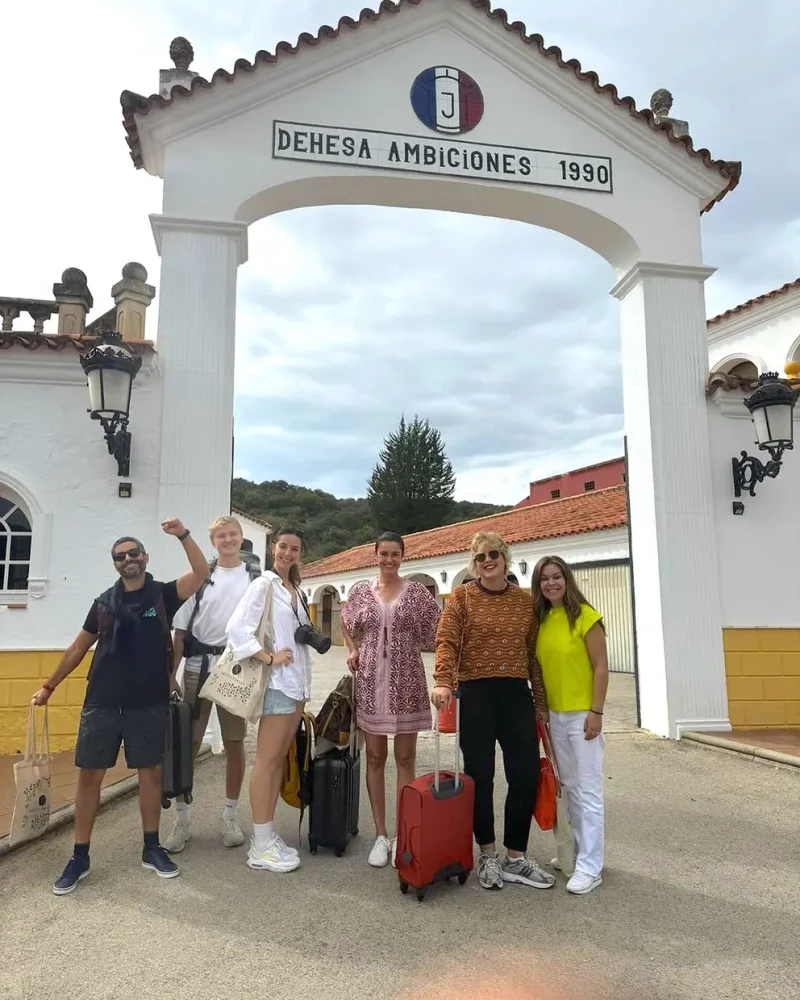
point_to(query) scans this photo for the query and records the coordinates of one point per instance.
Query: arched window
(15, 546)
(745, 369)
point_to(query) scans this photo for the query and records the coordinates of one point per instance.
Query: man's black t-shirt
(139, 677)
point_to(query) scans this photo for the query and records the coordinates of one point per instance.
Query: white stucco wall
(258, 535)
(767, 334)
(593, 546)
(758, 578)
(56, 453)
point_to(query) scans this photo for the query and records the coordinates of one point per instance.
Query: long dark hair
(573, 597)
(391, 536)
(294, 570)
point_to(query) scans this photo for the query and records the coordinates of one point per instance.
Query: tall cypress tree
(412, 486)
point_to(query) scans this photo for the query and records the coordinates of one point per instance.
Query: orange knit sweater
(493, 633)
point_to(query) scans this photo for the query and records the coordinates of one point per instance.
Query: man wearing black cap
(127, 695)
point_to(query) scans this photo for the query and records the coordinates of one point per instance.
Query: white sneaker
(554, 864)
(179, 837)
(285, 847)
(394, 853)
(379, 855)
(274, 859)
(580, 884)
(232, 835)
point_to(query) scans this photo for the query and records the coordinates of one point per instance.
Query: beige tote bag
(239, 686)
(32, 776)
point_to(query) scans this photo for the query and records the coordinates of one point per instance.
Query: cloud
(503, 335)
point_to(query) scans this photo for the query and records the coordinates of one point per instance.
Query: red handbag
(546, 809)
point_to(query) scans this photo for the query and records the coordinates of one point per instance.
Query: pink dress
(391, 688)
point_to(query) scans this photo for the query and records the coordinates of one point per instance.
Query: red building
(570, 484)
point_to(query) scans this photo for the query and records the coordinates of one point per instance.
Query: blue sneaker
(77, 868)
(157, 860)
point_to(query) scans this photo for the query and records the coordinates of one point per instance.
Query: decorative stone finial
(73, 276)
(181, 52)
(661, 104)
(135, 271)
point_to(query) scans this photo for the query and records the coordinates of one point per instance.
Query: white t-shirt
(219, 601)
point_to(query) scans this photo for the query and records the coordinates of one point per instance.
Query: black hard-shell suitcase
(335, 794)
(178, 772)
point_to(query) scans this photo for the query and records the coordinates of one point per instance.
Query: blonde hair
(489, 539)
(220, 522)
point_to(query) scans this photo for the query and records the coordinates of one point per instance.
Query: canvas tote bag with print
(32, 776)
(239, 686)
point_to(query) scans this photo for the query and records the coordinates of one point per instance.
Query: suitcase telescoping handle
(437, 749)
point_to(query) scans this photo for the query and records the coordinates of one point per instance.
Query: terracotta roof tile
(60, 341)
(596, 511)
(757, 301)
(729, 383)
(136, 104)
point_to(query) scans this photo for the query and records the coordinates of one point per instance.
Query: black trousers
(500, 710)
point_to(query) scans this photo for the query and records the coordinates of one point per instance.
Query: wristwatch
(184, 536)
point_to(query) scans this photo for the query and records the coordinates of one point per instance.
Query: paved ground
(700, 901)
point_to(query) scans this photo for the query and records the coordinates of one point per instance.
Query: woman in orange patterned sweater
(486, 646)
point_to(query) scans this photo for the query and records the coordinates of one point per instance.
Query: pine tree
(411, 488)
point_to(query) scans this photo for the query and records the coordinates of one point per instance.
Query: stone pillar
(196, 328)
(676, 570)
(74, 302)
(132, 296)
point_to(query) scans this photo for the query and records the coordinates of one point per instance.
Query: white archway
(222, 154)
(742, 364)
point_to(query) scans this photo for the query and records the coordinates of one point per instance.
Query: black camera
(308, 636)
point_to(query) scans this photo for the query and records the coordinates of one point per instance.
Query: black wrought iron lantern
(110, 370)
(443, 575)
(772, 408)
(523, 567)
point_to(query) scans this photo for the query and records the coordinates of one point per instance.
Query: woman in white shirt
(289, 689)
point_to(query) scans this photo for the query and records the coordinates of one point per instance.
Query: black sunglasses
(127, 554)
(481, 557)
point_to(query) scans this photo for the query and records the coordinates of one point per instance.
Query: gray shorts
(102, 732)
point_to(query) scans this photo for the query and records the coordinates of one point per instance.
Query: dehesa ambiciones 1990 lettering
(571, 170)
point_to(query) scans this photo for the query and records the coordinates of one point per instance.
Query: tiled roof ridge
(59, 341)
(237, 512)
(355, 554)
(133, 104)
(757, 300)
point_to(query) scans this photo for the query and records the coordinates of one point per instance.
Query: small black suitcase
(335, 794)
(178, 772)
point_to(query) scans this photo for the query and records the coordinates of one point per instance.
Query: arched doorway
(332, 123)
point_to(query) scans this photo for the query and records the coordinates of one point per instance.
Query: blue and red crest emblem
(447, 100)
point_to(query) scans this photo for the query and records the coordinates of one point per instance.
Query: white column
(674, 547)
(196, 329)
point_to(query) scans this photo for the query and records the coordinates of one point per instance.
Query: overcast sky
(500, 323)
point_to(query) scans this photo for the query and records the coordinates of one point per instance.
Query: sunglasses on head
(492, 555)
(127, 554)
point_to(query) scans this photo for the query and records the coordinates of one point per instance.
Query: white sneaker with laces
(379, 855)
(179, 837)
(275, 858)
(285, 847)
(394, 853)
(580, 884)
(232, 835)
(490, 874)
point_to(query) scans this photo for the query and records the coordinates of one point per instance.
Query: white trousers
(580, 767)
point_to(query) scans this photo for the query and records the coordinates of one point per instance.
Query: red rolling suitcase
(434, 828)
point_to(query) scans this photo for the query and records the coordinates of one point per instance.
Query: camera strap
(301, 597)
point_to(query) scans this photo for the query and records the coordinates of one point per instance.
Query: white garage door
(608, 588)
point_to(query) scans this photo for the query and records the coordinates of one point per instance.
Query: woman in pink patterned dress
(386, 624)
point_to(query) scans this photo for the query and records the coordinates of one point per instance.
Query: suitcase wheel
(404, 887)
(339, 851)
(420, 895)
(187, 798)
(355, 832)
(312, 845)
(462, 878)
(165, 802)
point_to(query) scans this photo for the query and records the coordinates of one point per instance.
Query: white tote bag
(32, 776)
(239, 686)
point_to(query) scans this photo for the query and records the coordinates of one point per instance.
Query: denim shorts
(278, 703)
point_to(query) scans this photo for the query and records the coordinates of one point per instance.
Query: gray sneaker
(526, 872)
(490, 874)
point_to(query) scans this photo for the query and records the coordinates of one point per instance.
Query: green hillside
(329, 524)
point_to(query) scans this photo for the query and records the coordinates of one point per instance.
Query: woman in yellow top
(571, 649)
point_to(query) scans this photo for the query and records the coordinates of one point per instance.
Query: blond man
(200, 637)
